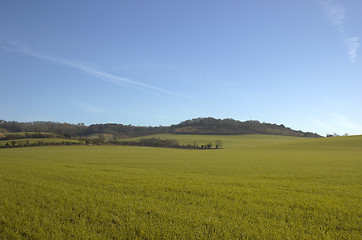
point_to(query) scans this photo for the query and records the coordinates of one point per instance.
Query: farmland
(257, 187)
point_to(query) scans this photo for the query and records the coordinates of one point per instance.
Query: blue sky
(151, 63)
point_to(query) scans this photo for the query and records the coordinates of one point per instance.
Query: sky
(160, 62)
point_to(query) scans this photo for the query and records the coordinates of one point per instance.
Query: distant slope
(199, 126)
(336, 143)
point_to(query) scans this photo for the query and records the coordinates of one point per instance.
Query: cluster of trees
(195, 126)
(168, 143)
(152, 142)
(123, 131)
(149, 142)
(335, 135)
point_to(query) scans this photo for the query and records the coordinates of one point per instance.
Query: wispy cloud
(352, 46)
(336, 14)
(117, 80)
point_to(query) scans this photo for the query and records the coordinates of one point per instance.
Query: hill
(212, 126)
(199, 126)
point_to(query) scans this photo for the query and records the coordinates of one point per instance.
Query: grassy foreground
(258, 187)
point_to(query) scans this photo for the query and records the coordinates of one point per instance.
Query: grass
(258, 187)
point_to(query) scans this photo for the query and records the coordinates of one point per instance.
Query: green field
(257, 187)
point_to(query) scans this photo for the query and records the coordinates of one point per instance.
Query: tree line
(144, 142)
(27, 143)
(11, 136)
(168, 143)
(203, 126)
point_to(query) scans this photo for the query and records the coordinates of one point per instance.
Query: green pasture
(257, 187)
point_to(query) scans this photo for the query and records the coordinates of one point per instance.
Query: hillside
(212, 126)
(200, 126)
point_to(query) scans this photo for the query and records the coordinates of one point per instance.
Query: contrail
(98, 74)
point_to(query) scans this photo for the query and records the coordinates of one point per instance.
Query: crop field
(257, 187)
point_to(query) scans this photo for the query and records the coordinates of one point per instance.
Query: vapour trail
(117, 80)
